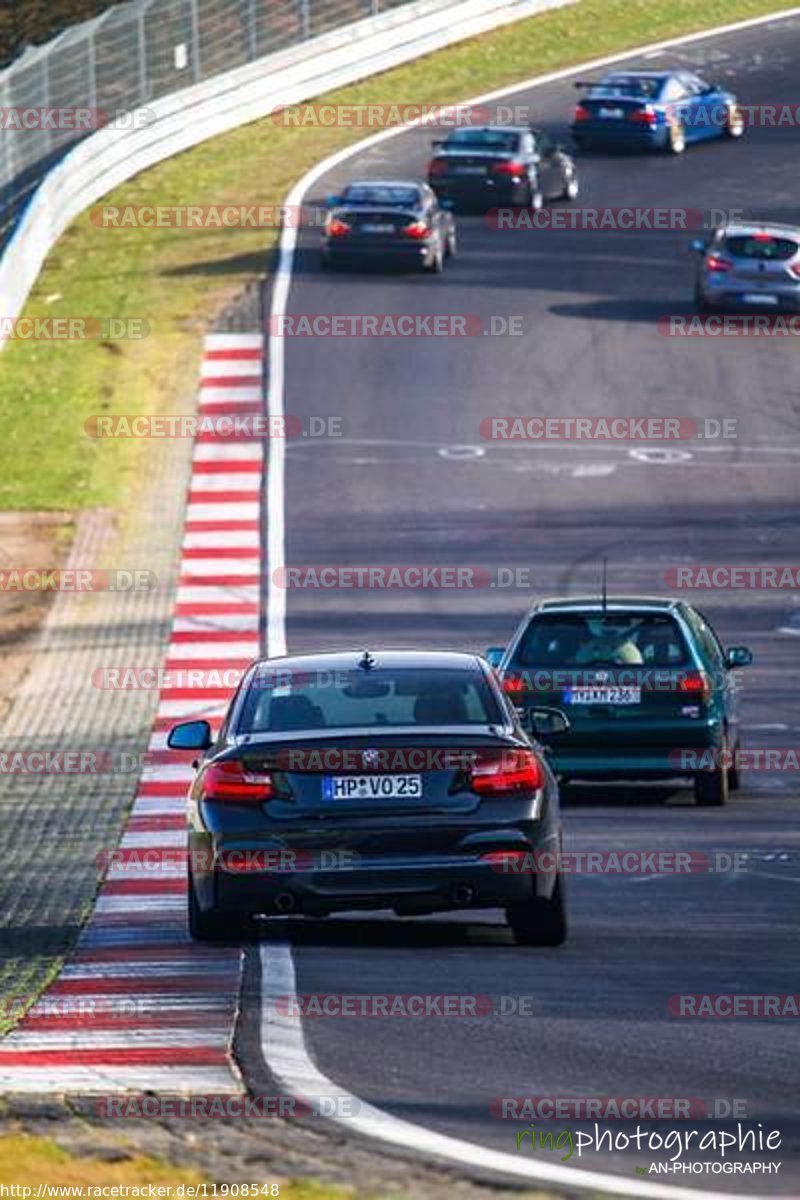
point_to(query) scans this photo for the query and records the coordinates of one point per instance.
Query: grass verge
(29, 1161)
(177, 280)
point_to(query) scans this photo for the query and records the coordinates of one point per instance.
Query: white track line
(282, 1038)
(284, 1049)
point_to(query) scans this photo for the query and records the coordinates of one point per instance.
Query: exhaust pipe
(285, 903)
(463, 894)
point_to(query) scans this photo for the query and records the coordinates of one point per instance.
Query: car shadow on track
(616, 795)
(631, 309)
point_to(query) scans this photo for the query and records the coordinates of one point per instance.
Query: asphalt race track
(412, 481)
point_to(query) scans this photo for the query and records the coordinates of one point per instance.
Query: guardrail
(54, 94)
(176, 122)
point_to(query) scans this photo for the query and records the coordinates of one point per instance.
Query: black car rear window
(628, 85)
(589, 639)
(291, 702)
(762, 247)
(483, 139)
(356, 217)
(380, 196)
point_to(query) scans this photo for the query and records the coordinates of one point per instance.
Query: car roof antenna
(605, 586)
(366, 662)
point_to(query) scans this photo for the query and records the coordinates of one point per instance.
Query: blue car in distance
(653, 110)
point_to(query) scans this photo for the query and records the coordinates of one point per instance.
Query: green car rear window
(591, 639)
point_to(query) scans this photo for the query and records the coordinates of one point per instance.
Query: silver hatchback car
(749, 267)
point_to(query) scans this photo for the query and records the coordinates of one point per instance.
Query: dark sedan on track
(401, 780)
(496, 165)
(653, 110)
(649, 690)
(374, 222)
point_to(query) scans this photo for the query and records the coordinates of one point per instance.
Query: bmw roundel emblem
(370, 758)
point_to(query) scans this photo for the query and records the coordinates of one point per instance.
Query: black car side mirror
(738, 656)
(190, 735)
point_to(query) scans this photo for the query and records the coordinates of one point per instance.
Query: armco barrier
(107, 158)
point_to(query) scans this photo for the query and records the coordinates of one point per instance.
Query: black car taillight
(230, 781)
(503, 772)
(581, 114)
(417, 230)
(335, 227)
(508, 168)
(438, 166)
(643, 116)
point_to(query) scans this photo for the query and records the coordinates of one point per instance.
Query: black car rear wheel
(711, 787)
(208, 926)
(540, 922)
(700, 301)
(436, 264)
(734, 773)
(571, 187)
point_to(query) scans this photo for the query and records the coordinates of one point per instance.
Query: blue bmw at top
(653, 110)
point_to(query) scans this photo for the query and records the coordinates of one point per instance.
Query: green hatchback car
(648, 690)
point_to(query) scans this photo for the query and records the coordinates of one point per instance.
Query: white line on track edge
(282, 1041)
(285, 1052)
